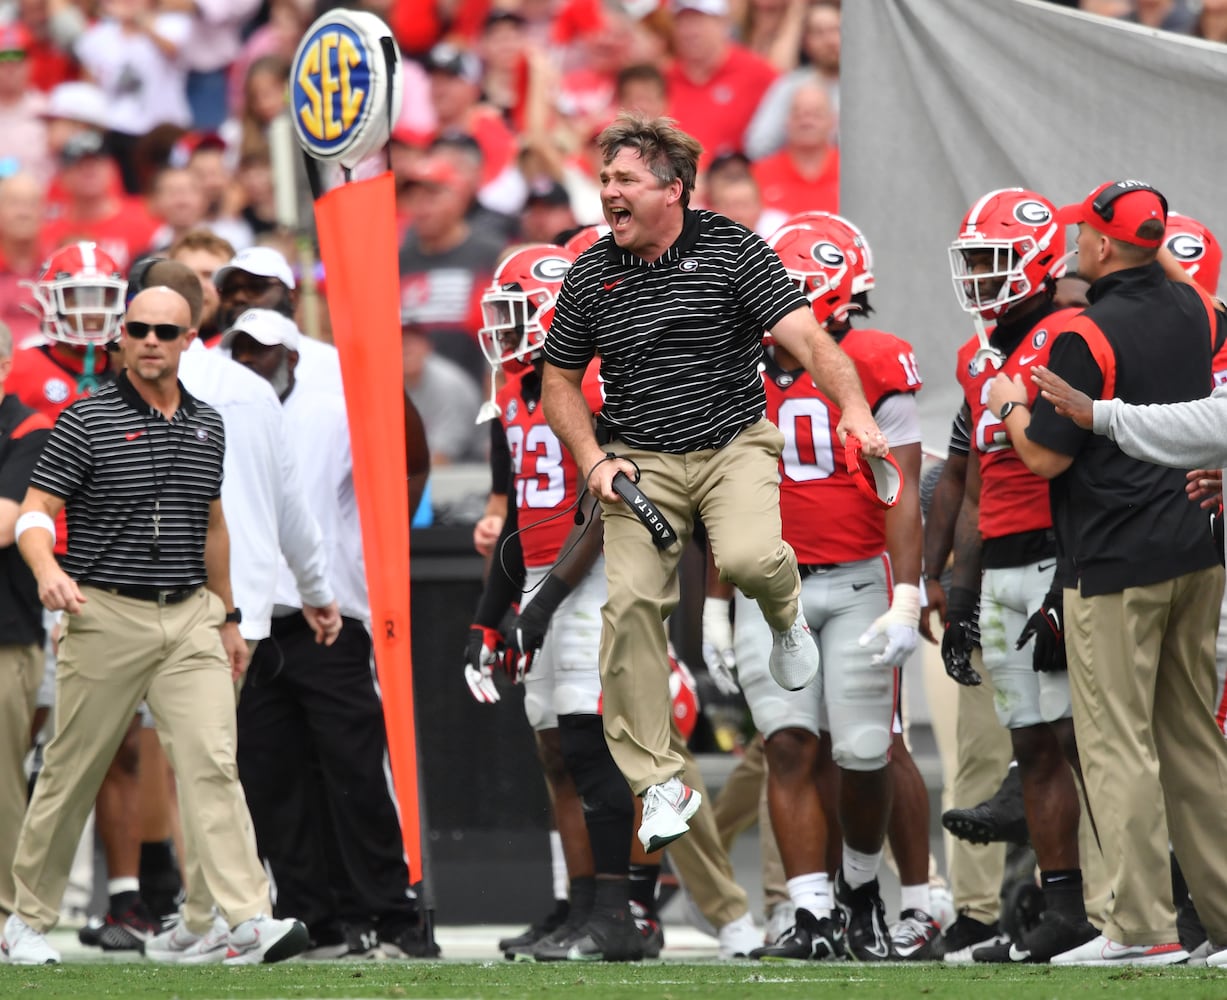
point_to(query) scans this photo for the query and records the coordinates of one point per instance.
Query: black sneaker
(91, 932)
(604, 937)
(810, 939)
(1000, 951)
(577, 916)
(130, 930)
(547, 925)
(916, 937)
(866, 935)
(965, 934)
(325, 943)
(1000, 818)
(650, 929)
(1055, 933)
(362, 941)
(1189, 927)
(408, 941)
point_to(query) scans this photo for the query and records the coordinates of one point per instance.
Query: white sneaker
(263, 939)
(1104, 951)
(25, 946)
(794, 658)
(177, 945)
(666, 807)
(1215, 956)
(780, 921)
(941, 906)
(739, 937)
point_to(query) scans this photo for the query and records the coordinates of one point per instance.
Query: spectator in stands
(21, 254)
(804, 175)
(445, 264)
(23, 133)
(1212, 21)
(216, 37)
(279, 35)
(492, 207)
(178, 203)
(547, 212)
(205, 155)
(1167, 15)
(255, 177)
(455, 95)
(772, 28)
(73, 107)
(732, 191)
(54, 27)
(137, 56)
(446, 398)
(93, 210)
(714, 83)
(820, 43)
(641, 88)
(503, 50)
(264, 96)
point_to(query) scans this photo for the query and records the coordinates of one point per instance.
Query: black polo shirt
(128, 475)
(1123, 522)
(23, 434)
(680, 338)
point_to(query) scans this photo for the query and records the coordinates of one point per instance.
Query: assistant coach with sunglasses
(1141, 620)
(146, 588)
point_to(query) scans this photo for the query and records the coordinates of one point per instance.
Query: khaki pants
(700, 858)
(21, 673)
(743, 801)
(736, 491)
(114, 653)
(1142, 679)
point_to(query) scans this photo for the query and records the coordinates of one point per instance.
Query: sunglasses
(163, 331)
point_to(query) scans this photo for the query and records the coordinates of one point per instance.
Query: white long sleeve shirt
(1189, 435)
(318, 431)
(268, 513)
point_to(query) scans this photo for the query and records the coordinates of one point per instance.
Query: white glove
(899, 627)
(718, 644)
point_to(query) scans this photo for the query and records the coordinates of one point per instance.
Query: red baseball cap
(437, 172)
(1118, 209)
(15, 38)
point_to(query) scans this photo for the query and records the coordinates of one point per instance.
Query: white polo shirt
(267, 510)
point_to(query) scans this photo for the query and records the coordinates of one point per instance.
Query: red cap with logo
(1118, 209)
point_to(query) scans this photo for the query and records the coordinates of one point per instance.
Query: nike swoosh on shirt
(133, 436)
(1026, 359)
(1044, 567)
(610, 285)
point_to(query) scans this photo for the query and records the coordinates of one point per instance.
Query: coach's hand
(235, 646)
(324, 622)
(59, 592)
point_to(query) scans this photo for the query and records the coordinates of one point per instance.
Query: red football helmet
(518, 306)
(1195, 247)
(846, 235)
(582, 240)
(819, 265)
(1006, 250)
(81, 292)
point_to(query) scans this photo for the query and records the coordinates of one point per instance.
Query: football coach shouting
(676, 302)
(146, 584)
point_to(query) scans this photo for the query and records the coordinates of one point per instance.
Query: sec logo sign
(345, 86)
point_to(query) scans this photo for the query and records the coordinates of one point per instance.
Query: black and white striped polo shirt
(680, 338)
(119, 464)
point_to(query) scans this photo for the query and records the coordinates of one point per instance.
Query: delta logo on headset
(880, 479)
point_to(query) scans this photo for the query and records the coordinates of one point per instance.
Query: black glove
(1047, 626)
(526, 634)
(962, 635)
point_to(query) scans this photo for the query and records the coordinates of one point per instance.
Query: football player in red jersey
(864, 633)
(1001, 264)
(556, 637)
(81, 294)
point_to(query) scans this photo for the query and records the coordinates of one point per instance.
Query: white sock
(915, 897)
(859, 868)
(558, 864)
(117, 885)
(811, 892)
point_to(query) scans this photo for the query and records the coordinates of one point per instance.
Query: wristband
(542, 607)
(961, 604)
(905, 604)
(34, 519)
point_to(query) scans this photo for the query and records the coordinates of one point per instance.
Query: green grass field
(665, 980)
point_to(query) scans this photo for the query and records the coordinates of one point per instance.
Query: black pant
(312, 757)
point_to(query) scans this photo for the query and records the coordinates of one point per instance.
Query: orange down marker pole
(357, 235)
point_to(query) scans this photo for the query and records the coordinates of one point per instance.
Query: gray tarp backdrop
(944, 100)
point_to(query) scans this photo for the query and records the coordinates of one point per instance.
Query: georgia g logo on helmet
(1186, 247)
(550, 269)
(1032, 213)
(827, 254)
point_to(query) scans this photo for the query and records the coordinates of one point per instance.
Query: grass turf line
(665, 980)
